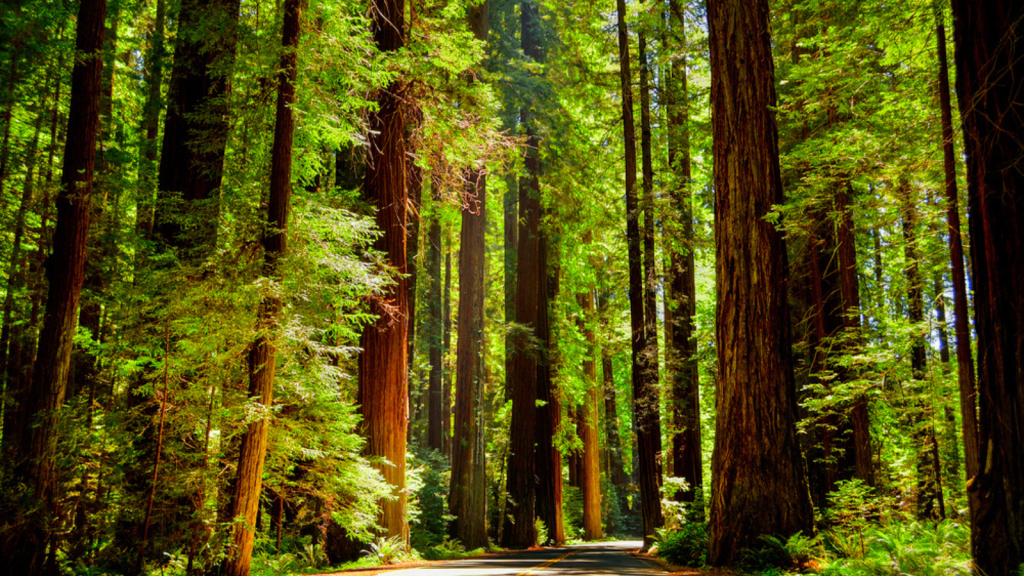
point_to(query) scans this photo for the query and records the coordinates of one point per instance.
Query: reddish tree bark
(645, 394)
(589, 414)
(263, 352)
(66, 272)
(990, 79)
(383, 390)
(549, 409)
(962, 319)
(680, 354)
(759, 483)
(518, 525)
(466, 498)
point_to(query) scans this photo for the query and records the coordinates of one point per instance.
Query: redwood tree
(759, 482)
(680, 352)
(990, 80)
(645, 395)
(196, 128)
(467, 498)
(518, 528)
(263, 352)
(65, 270)
(383, 393)
(962, 320)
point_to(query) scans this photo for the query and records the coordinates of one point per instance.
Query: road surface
(585, 559)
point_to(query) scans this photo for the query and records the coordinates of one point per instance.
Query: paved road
(597, 558)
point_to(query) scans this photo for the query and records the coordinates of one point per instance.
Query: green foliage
(449, 549)
(387, 550)
(684, 545)
(908, 548)
(572, 510)
(428, 480)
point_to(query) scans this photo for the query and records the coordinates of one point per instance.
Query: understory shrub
(685, 545)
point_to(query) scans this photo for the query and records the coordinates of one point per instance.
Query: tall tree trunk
(383, 388)
(687, 458)
(653, 387)
(263, 352)
(66, 273)
(414, 182)
(589, 414)
(446, 380)
(645, 392)
(435, 325)
(858, 413)
(759, 483)
(467, 454)
(962, 320)
(11, 340)
(990, 79)
(549, 409)
(518, 525)
(929, 486)
(189, 179)
(151, 123)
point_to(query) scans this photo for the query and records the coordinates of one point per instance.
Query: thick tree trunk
(263, 352)
(962, 320)
(383, 389)
(518, 525)
(468, 466)
(589, 414)
(66, 273)
(759, 483)
(653, 386)
(687, 458)
(645, 392)
(549, 409)
(990, 79)
(190, 176)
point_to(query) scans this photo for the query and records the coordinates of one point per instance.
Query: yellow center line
(546, 564)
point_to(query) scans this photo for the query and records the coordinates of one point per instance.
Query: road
(585, 559)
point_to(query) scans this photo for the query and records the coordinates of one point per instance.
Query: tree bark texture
(759, 483)
(196, 128)
(65, 271)
(990, 79)
(858, 413)
(680, 354)
(263, 352)
(646, 409)
(468, 466)
(549, 409)
(446, 380)
(962, 319)
(435, 326)
(589, 415)
(383, 390)
(518, 525)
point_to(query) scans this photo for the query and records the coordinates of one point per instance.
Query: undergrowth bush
(685, 545)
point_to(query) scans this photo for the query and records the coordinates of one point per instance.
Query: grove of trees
(311, 283)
